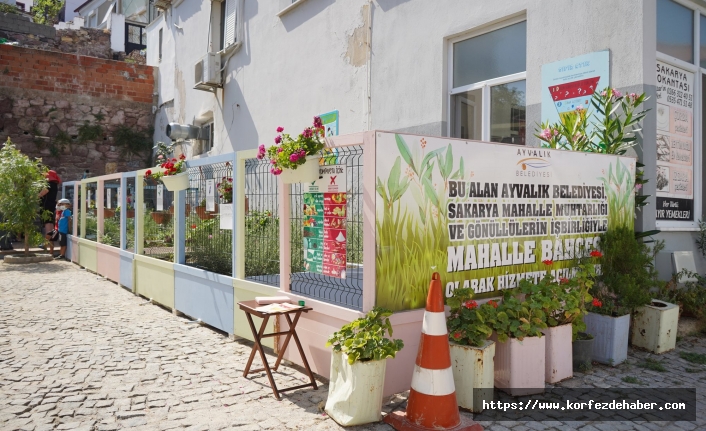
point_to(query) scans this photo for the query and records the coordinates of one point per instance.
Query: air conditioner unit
(207, 72)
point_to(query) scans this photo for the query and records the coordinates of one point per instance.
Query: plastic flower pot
(610, 345)
(176, 182)
(473, 368)
(206, 215)
(130, 214)
(161, 218)
(306, 173)
(108, 213)
(582, 351)
(558, 364)
(655, 326)
(355, 391)
(519, 366)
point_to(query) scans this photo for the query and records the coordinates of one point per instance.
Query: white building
(126, 20)
(439, 67)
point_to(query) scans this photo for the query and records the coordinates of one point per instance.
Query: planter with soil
(31, 258)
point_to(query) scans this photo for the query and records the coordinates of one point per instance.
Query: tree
(21, 181)
(47, 11)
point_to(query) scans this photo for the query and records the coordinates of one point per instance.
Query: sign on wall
(325, 236)
(675, 143)
(160, 197)
(569, 84)
(486, 216)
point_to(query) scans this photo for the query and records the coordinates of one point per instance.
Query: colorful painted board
(325, 207)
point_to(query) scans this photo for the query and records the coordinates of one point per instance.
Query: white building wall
(71, 6)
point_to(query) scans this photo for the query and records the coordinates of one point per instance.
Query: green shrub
(364, 339)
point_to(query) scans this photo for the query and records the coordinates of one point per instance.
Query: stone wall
(16, 23)
(91, 42)
(76, 112)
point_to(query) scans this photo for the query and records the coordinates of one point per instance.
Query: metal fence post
(238, 176)
(123, 211)
(100, 206)
(180, 227)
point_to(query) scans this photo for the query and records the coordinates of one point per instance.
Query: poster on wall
(325, 237)
(569, 84)
(675, 143)
(108, 197)
(486, 216)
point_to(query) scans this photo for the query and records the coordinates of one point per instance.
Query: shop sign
(675, 143)
(325, 236)
(486, 216)
(570, 83)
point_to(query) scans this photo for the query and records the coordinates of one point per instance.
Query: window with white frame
(229, 15)
(206, 137)
(487, 76)
(681, 79)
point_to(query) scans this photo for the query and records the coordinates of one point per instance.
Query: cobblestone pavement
(78, 352)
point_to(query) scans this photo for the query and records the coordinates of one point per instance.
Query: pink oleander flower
(276, 171)
(617, 94)
(603, 93)
(546, 134)
(280, 129)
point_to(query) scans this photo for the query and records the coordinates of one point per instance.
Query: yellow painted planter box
(154, 279)
(244, 290)
(87, 254)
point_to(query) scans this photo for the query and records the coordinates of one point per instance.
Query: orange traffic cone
(432, 399)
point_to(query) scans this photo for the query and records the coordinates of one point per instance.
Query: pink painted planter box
(518, 366)
(559, 354)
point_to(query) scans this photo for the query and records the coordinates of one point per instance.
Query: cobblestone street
(79, 352)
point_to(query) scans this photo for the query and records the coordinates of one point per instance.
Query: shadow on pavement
(37, 268)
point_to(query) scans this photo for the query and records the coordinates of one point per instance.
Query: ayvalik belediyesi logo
(533, 163)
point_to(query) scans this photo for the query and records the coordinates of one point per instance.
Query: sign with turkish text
(486, 216)
(108, 195)
(160, 197)
(210, 195)
(325, 236)
(675, 143)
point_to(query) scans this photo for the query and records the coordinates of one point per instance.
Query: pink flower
(260, 156)
(278, 139)
(261, 148)
(210, 237)
(275, 171)
(279, 150)
(556, 132)
(638, 186)
(617, 94)
(280, 129)
(273, 162)
(318, 122)
(546, 134)
(307, 133)
(603, 93)
(633, 96)
(294, 157)
(160, 157)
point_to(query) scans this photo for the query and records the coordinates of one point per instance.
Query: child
(63, 226)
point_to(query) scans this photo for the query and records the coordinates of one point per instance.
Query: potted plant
(627, 276)
(582, 341)
(520, 347)
(296, 160)
(360, 349)
(225, 190)
(472, 353)
(202, 213)
(174, 176)
(109, 212)
(161, 217)
(21, 181)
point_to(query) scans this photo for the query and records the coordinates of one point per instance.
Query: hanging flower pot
(177, 182)
(296, 159)
(306, 173)
(161, 217)
(174, 177)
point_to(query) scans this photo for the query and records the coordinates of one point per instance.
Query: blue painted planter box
(611, 334)
(204, 295)
(126, 269)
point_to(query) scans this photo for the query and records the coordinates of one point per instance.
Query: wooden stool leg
(289, 336)
(257, 335)
(301, 350)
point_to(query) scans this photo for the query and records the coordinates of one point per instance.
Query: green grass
(632, 380)
(694, 358)
(653, 365)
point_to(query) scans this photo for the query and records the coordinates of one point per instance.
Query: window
(230, 11)
(160, 44)
(206, 137)
(488, 77)
(92, 20)
(675, 30)
(702, 40)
